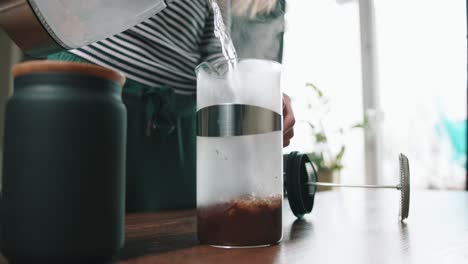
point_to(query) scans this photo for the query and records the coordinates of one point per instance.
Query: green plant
(323, 156)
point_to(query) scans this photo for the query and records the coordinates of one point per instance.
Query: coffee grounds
(247, 221)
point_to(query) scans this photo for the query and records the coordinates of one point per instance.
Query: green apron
(160, 146)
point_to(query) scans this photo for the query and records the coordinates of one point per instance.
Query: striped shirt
(163, 50)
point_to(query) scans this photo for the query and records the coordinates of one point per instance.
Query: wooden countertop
(355, 226)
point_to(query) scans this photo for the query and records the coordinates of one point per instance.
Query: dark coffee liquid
(248, 221)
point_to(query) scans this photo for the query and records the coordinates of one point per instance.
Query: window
(322, 46)
(419, 49)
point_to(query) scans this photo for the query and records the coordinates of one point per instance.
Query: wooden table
(355, 226)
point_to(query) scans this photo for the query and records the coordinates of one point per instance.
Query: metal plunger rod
(326, 184)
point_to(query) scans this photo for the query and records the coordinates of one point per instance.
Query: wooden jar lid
(43, 66)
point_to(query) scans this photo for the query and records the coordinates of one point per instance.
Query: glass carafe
(239, 153)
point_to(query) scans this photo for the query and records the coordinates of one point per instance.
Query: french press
(301, 181)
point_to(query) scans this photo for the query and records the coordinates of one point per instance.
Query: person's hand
(288, 121)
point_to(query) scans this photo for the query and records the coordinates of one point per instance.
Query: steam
(257, 27)
(258, 38)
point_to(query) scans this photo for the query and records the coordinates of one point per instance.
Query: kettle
(42, 27)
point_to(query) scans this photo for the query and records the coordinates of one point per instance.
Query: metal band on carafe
(236, 120)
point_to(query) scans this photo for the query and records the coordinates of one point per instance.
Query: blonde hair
(252, 8)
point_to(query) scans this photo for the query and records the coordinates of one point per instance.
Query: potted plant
(326, 156)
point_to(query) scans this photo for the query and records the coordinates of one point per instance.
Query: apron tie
(158, 110)
(159, 117)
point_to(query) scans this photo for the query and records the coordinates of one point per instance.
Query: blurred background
(399, 64)
(368, 79)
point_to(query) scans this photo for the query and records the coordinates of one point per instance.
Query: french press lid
(298, 172)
